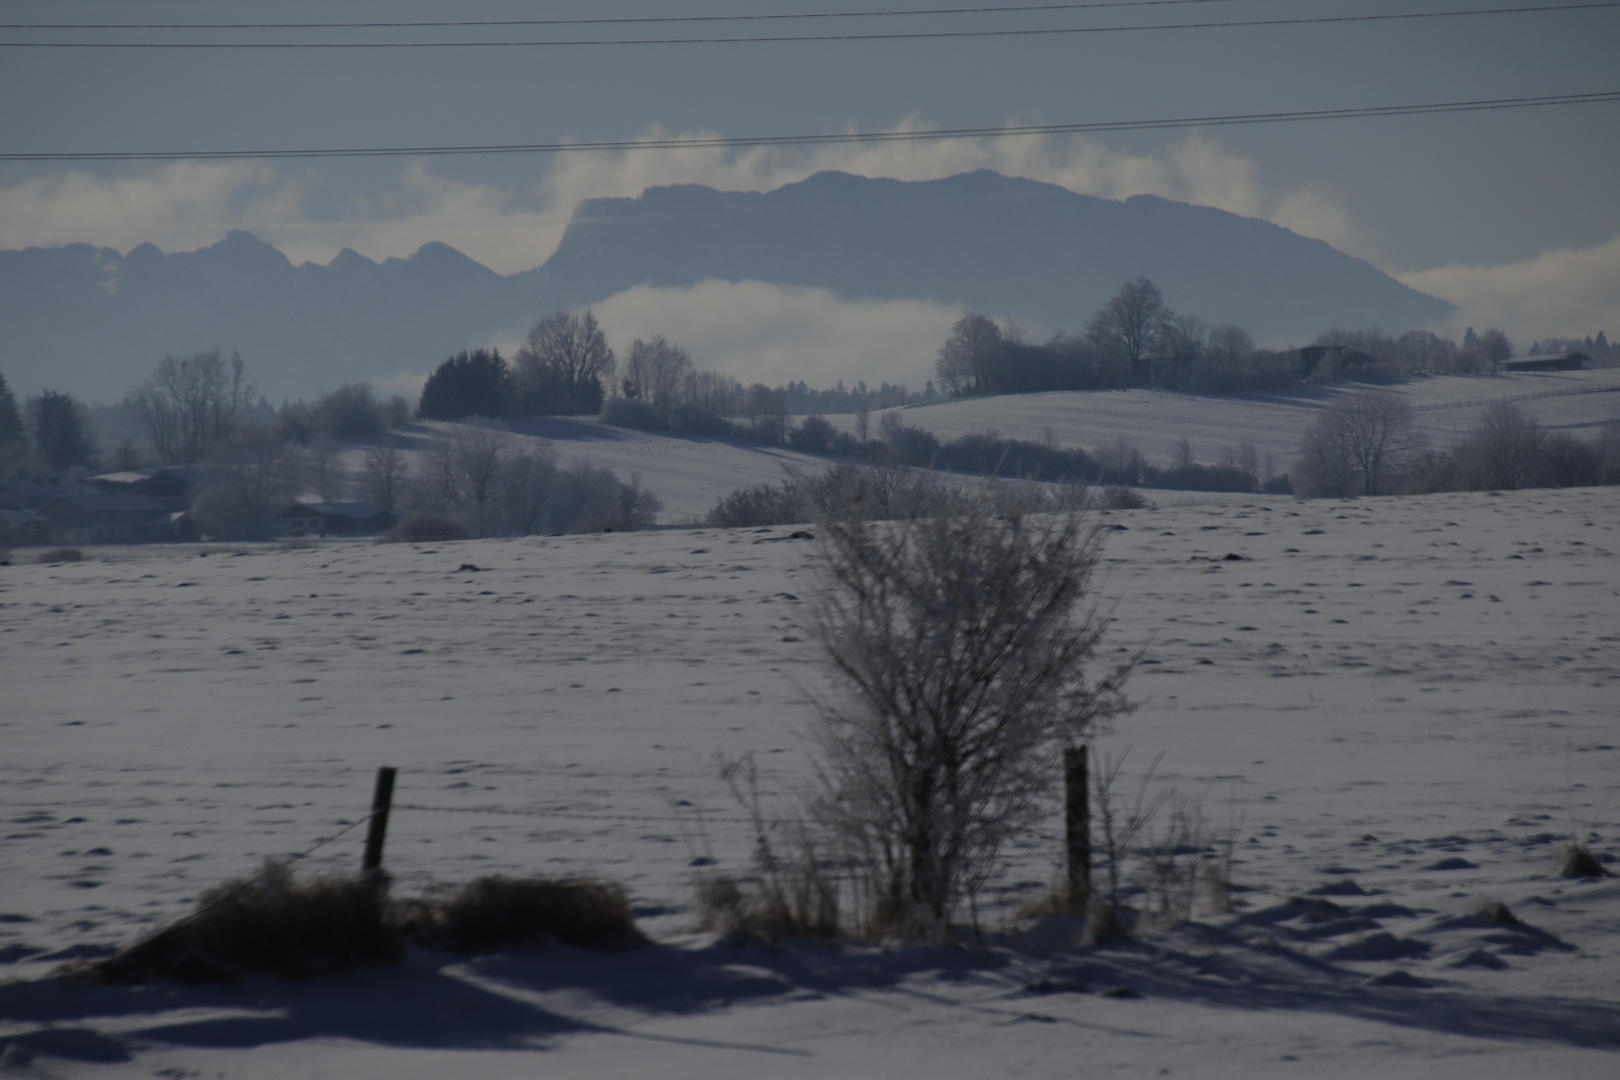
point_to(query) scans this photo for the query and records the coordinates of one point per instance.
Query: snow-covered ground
(1153, 421)
(690, 473)
(1416, 695)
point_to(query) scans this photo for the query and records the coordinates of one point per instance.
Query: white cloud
(178, 206)
(1568, 292)
(772, 334)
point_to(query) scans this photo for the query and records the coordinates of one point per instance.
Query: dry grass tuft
(495, 912)
(798, 902)
(269, 924)
(1496, 913)
(1575, 860)
(60, 555)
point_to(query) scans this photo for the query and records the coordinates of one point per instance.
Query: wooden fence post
(1077, 827)
(381, 800)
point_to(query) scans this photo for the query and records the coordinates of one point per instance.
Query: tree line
(1368, 444)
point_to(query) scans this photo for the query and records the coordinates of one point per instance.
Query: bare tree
(382, 475)
(189, 404)
(253, 475)
(1186, 338)
(1132, 323)
(656, 371)
(481, 449)
(1229, 345)
(528, 484)
(1357, 446)
(1503, 450)
(565, 365)
(969, 356)
(960, 642)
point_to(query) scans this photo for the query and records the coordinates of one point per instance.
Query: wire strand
(614, 20)
(910, 35)
(719, 142)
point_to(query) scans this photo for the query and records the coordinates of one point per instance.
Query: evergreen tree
(467, 384)
(61, 431)
(11, 425)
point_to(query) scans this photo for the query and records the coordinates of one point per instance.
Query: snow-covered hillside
(1407, 703)
(689, 473)
(1153, 421)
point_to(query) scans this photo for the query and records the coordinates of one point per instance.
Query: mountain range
(94, 322)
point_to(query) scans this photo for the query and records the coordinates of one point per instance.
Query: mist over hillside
(93, 322)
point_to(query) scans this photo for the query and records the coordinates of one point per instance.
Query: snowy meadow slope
(1408, 703)
(1154, 420)
(690, 473)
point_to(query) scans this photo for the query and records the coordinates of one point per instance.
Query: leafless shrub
(60, 555)
(1119, 497)
(959, 641)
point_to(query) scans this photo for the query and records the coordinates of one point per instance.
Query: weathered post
(381, 800)
(1077, 827)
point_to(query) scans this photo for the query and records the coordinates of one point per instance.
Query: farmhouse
(33, 493)
(334, 519)
(1564, 361)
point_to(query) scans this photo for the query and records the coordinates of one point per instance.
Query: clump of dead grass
(1576, 860)
(275, 925)
(493, 913)
(268, 924)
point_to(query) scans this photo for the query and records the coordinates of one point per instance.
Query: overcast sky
(1512, 214)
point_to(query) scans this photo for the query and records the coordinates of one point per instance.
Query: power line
(720, 142)
(915, 35)
(613, 20)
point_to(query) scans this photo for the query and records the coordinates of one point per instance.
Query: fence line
(646, 818)
(1529, 395)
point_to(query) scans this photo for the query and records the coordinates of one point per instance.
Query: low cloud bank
(1571, 292)
(775, 334)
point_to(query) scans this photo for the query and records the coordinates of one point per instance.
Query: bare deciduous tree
(960, 642)
(566, 364)
(1132, 323)
(252, 477)
(189, 404)
(382, 475)
(656, 372)
(1503, 450)
(1357, 446)
(969, 355)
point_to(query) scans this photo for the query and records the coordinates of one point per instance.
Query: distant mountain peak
(83, 319)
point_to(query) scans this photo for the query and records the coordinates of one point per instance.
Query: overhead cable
(904, 35)
(613, 19)
(709, 142)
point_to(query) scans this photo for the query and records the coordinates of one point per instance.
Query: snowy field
(1154, 420)
(690, 473)
(1408, 703)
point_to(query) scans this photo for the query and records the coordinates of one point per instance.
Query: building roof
(42, 487)
(1543, 358)
(96, 502)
